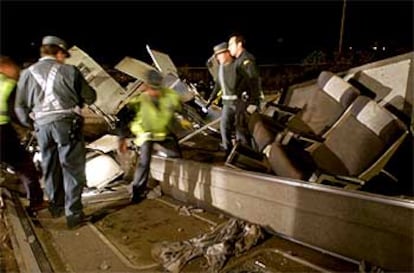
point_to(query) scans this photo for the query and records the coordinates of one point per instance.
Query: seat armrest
(285, 137)
(284, 108)
(348, 182)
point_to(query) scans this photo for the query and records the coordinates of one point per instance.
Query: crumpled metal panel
(137, 69)
(163, 62)
(133, 67)
(110, 94)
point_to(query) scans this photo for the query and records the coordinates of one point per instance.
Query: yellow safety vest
(6, 87)
(152, 122)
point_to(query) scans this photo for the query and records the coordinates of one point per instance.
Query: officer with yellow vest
(12, 152)
(150, 117)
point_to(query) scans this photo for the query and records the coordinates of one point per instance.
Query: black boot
(76, 220)
(56, 211)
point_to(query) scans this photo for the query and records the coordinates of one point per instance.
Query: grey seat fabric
(263, 129)
(328, 104)
(361, 140)
(318, 114)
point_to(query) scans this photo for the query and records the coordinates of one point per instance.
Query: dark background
(276, 31)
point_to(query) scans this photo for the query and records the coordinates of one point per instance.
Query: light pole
(341, 31)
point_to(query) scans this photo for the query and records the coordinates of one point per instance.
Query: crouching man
(150, 116)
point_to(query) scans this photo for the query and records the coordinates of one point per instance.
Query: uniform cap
(54, 40)
(154, 79)
(222, 47)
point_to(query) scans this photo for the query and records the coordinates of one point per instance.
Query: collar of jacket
(47, 58)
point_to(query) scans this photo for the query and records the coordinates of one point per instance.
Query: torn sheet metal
(137, 69)
(163, 62)
(133, 67)
(111, 96)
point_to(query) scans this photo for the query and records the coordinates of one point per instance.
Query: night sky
(276, 31)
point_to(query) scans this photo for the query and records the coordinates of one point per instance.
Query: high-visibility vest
(6, 87)
(152, 122)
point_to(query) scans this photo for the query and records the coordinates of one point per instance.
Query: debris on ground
(233, 237)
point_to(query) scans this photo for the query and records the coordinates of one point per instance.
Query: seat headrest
(337, 88)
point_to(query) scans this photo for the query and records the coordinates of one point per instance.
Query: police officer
(248, 82)
(50, 95)
(11, 151)
(226, 79)
(150, 117)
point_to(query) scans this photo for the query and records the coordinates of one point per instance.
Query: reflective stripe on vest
(141, 138)
(229, 97)
(6, 87)
(221, 79)
(50, 104)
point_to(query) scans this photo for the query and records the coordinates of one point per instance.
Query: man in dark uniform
(50, 95)
(248, 81)
(12, 153)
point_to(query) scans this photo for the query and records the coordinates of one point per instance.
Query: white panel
(104, 144)
(101, 170)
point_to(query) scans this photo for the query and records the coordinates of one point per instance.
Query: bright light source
(350, 48)
(383, 48)
(374, 48)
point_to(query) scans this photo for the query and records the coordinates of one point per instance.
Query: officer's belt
(75, 110)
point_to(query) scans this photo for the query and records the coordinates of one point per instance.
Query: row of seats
(339, 134)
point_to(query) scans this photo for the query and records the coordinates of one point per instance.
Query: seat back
(326, 105)
(318, 114)
(361, 142)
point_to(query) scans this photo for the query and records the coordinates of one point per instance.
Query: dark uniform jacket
(68, 91)
(248, 80)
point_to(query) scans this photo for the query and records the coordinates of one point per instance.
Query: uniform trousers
(170, 148)
(63, 164)
(229, 123)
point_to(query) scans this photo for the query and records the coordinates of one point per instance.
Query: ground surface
(8, 261)
(122, 236)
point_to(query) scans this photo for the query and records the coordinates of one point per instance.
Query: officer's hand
(122, 145)
(186, 124)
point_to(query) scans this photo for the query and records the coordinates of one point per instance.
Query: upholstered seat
(358, 145)
(318, 114)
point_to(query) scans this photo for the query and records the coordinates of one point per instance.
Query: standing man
(150, 117)
(248, 81)
(226, 82)
(11, 151)
(50, 95)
